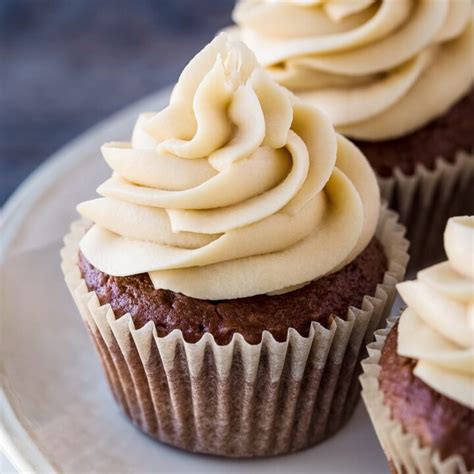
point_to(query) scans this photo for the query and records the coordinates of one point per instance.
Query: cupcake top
(379, 69)
(235, 189)
(437, 328)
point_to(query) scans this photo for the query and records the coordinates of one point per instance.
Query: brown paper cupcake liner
(239, 399)
(425, 201)
(403, 450)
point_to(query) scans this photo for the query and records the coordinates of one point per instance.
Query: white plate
(57, 413)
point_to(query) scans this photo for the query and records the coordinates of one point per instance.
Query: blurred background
(67, 64)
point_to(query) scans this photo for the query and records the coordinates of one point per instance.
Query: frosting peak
(235, 189)
(368, 64)
(437, 328)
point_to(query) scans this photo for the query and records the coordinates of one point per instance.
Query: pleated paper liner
(403, 450)
(240, 399)
(425, 201)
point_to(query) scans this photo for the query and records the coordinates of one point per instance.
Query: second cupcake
(236, 265)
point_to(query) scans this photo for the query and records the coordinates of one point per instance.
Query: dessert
(419, 381)
(235, 265)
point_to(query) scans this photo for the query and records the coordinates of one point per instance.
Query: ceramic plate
(57, 413)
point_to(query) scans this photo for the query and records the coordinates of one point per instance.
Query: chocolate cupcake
(418, 383)
(396, 77)
(236, 265)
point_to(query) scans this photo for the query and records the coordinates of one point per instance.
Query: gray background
(67, 64)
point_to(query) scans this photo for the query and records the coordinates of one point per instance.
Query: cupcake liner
(238, 399)
(425, 201)
(403, 450)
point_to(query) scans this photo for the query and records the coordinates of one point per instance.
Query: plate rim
(16, 442)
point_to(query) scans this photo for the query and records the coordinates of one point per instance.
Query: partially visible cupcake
(236, 266)
(396, 77)
(418, 383)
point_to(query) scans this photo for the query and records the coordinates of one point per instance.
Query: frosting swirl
(235, 189)
(379, 69)
(437, 328)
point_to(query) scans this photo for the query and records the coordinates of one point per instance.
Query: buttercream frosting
(437, 328)
(236, 188)
(379, 69)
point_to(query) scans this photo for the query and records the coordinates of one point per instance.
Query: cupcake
(394, 76)
(418, 383)
(235, 266)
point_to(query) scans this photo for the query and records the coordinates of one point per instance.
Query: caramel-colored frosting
(235, 189)
(378, 69)
(437, 328)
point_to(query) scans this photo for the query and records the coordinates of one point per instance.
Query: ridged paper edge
(426, 199)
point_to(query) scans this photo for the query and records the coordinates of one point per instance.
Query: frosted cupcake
(396, 77)
(419, 381)
(236, 265)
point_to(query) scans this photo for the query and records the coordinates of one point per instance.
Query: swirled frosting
(235, 189)
(379, 69)
(437, 328)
